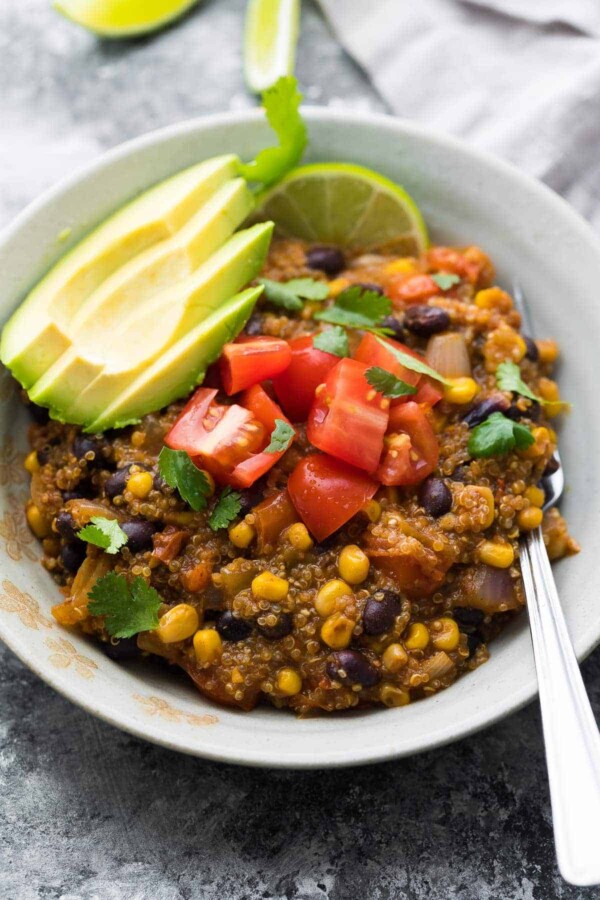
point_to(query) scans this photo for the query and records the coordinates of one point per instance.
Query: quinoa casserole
(350, 530)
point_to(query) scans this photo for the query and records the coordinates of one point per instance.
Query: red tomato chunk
(251, 360)
(295, 387)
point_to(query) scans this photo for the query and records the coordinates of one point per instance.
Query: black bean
(392, 323)
(473, 642)
(352, 667)
(72, 555)
(327, 259)
(254, 325)
(123, 650)
(468, 617)
(232, 628)
(435, 497)
(39, 414)
(552, 466)
(115, 484)
(380, 612)
(532, 349)
(426, 320)
(533, 412)
(280, 629)
(252, 496)
(65, 525)
(84, 444)
(371, 286)
(461, 473)
(139, 534)
(481, 411)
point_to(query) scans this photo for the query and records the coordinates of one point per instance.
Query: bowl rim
(584, 642)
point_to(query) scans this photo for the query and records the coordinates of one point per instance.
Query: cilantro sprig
(387, 383)
(291, 295)
(412, 363)
(445, 280)
(128, 607)
(357, 307)
(498, 436)
(281, 437)
(179, 472)
(227, 508)
(333, 340)
(508, 378)
(281, 103)
(104, 533)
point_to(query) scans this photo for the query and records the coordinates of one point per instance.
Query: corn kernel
(372, 510)
(445, 634)
(406, 265)
(530, 518)
(535, 495)
(208, 646)
(393, 696)
(32, 463)
(242, 535)
(353, 564)
(299, 537)
(548, 389)
(178, 623)
(541, 440)
(288, 682)
(326, 601)
(37, 522)
(337, 286)
(140, 484)
(548, 351)
(500, 555)
(267, 586)
(494, 298)
(417, 637)
(394, 658)
(461, 390)
(337, 631)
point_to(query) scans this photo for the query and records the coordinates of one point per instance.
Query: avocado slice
(37, 333)
(109, 359)
(133, 285)
(177, 371)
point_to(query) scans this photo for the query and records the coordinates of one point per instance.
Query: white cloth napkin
(520, 78)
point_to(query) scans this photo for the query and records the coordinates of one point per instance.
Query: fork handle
(570, 731)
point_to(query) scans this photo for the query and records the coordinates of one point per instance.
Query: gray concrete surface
(88, 813)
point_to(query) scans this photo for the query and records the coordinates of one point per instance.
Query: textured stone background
(87, 812)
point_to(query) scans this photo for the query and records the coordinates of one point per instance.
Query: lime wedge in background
(123, 18)
(270, 41)
(347, 205)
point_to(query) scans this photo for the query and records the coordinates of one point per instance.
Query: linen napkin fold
(521, 79)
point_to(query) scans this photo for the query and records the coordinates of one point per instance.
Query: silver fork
(571, 735)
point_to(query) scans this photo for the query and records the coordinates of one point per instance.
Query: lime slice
(270, 41)
(348, 205)
(122, 18)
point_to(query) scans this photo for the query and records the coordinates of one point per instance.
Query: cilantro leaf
(179, 472)
(410, 362)
(333, 340)
(497, 436)
(445, 280)
(291, 294)
(281, 437)
(387, 383)
(228, 506)
(281, 104)
(357, 307)
(104, 533)
(128, 607)
(508, 378)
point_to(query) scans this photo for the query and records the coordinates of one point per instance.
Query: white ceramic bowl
(466, 197)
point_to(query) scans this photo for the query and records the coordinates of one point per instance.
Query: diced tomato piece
(411, 447)
(372, 352)
(295, 387)
(470, 263)
(348, 418)
(228, 441)
(429, 391)
(251, 360)
(414, 289)
(327, 493)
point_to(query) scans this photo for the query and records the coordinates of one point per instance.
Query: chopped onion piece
(448, 355)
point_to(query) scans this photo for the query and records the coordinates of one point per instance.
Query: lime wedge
(270, 41)
(343, 204)
(122, 18)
